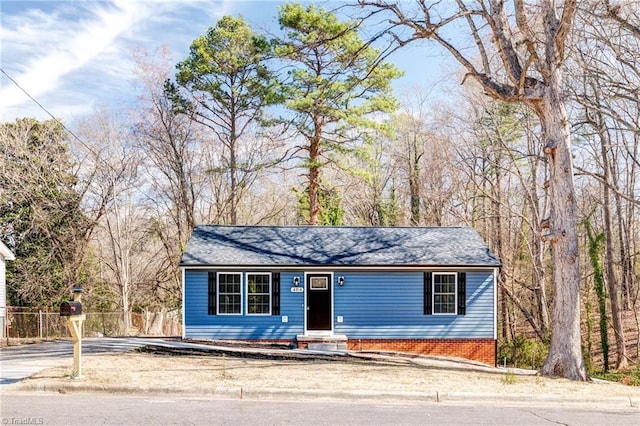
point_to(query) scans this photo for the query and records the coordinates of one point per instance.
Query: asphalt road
(78, 409)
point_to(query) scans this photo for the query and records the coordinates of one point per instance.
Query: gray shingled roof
(212, 245)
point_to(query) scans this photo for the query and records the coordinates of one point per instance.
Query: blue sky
(74, 55)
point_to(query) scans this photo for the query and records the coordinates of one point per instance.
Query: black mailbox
(68, 309)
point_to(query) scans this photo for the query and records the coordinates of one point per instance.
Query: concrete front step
(327, 346)
(323, 343)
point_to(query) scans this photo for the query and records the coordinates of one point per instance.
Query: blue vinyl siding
(372, 304)
(390, 305)
(200, 325)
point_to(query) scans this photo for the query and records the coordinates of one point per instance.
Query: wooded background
(305, 129)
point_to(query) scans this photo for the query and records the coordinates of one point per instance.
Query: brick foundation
(481, 350)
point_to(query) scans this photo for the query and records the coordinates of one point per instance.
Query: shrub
(522, 352)
(629, 377)
(509, 378)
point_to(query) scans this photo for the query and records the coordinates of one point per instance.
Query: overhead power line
(86, 145)
(83, 143)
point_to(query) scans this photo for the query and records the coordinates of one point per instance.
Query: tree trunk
(126, 317)
(540, 291)
(414, 183)
(538, 273)
(504, 308)
(595, 244)
(625, 250)
(314, 185)
(612, 282)
(523, 309)
(233, 170)
(625, 230)
(497, 238)
(565, 352)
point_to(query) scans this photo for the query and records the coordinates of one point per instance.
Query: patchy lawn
(197, 373)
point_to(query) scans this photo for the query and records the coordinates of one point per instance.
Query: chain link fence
(28, 324)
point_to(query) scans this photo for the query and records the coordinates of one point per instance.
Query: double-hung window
(258, 293)
(229, 293)
(444, 293)
(243, 293)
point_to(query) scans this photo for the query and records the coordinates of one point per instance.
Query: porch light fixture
(296, 281)
(340, 281)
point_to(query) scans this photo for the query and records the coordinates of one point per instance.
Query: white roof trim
(5, 253)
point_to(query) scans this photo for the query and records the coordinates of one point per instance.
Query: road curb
(343, 396)
(346, 395)
(544, 399)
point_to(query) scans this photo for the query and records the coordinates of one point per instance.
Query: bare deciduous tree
(519, 58)
(168, 140)
(604, 79)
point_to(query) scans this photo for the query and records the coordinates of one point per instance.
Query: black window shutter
(212, 293)
(462, 293)
(275, 293)
(428, 292)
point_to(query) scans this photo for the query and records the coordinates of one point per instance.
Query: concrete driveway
(20, 362)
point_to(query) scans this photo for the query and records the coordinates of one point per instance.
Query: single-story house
(427, 290)
(5, 254)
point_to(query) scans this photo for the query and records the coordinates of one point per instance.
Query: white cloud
(56, 46)
(72, 55)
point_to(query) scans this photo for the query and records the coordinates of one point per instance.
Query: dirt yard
(196, 373)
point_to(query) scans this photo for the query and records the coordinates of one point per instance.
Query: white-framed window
(229, 293)
(258, 293)
(319, 283)
(444, 293)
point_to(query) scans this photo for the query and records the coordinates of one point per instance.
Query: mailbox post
(75, 319)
